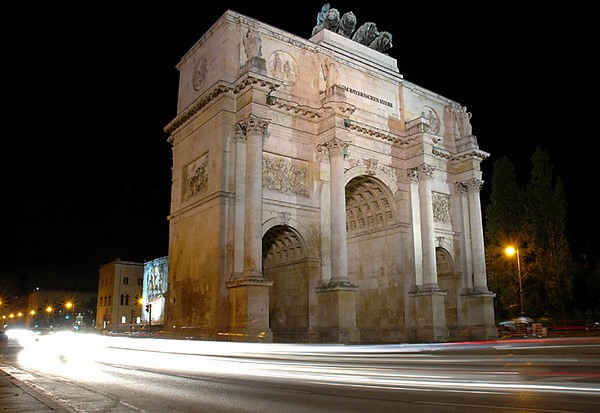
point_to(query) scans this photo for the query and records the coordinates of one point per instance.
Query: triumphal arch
(318, 196)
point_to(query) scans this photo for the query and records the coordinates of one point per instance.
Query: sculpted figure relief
(252, 44)
(382, 43)
(367, 34)
(347, 24)
(330, 71)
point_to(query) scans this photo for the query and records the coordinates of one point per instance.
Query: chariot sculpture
(367, 34)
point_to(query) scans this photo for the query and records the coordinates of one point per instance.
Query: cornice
(222, 87)
(469, 154)
(379, 133)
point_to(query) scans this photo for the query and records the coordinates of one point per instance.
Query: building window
(123, 320)
(125, 280)
(140, 281)
(126, 299)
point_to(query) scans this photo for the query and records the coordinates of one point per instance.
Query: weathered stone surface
(337, 116)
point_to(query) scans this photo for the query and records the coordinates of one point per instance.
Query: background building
(47, 309)
(120, 288)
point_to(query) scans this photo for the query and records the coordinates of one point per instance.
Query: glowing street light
(49, 309)
(69, 305)
(510, 251)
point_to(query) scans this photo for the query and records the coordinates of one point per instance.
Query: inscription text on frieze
(366, 96)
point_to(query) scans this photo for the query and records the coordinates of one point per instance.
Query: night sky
(85, 94)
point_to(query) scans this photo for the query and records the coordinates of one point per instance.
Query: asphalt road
(92, 373)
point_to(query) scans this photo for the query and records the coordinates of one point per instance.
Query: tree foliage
(533, 219)
(545, 226)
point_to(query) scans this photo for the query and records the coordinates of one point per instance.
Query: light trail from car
(401, 366)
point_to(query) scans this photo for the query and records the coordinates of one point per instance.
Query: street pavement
(138, 375)
(18, 396)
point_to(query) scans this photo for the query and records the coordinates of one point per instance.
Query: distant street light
(510, 251)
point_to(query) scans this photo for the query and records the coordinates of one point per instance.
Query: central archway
(374, 241)
(285, 261)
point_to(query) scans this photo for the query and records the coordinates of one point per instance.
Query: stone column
(461, 191)
(337, 299)
(339, 244)
(255, 128)
(426, 306)
(477, 246)
(427, 231)
(249, 294)
(480, 301)
(416, 220)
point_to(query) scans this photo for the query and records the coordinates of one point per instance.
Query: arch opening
(285, 262)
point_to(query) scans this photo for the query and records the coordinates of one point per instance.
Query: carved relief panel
(283, 67)
(441, 207)
(195, 176)
(281, 174)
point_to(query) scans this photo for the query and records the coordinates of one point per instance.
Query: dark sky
(85, 94)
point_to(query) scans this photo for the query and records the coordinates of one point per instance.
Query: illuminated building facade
(120, 287)
(49, 309)
(318, 196)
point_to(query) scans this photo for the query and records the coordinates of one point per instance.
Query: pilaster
(477, 245)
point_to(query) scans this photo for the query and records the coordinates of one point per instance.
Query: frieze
(366, 96)
(373, 167)
(285, 175)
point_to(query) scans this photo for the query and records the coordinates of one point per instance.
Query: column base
(429, 312)
(337, 313)
(249, 310)
(480, 320)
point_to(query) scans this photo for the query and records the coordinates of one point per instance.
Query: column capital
(252, 124)
(460, 187)
(425, 171)
(421, 172)
(334, 147)
(473, 184)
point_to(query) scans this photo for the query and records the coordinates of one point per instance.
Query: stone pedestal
(337, 313)
(429, 315)
(481, 322)
(249, 310)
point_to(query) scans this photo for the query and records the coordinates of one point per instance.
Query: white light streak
(77, 355)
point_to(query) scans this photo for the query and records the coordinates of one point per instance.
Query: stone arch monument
(318, 196)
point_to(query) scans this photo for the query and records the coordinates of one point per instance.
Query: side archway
(286, 262)
(448, 280)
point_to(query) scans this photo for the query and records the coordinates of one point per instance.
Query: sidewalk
(18, 396)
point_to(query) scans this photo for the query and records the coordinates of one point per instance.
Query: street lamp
(510, 251)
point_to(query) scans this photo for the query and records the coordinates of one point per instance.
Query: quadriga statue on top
(367, 34)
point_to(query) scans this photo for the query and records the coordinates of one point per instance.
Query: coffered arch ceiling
(367, 206)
